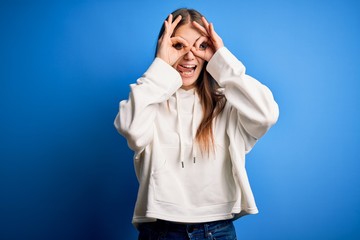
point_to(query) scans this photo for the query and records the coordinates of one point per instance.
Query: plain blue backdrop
(65, 173)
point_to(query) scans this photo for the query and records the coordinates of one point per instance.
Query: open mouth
(186, 70)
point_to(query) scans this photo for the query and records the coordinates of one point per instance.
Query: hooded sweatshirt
(177, 182)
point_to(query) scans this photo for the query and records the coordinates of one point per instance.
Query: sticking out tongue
(186, 70)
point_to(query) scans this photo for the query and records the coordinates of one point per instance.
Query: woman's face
(189, 66)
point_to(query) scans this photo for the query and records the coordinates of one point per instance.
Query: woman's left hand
(209, 43)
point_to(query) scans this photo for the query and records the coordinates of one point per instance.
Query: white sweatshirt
(159, 120)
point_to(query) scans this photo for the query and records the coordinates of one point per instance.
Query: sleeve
(256, 108)
(135, 119)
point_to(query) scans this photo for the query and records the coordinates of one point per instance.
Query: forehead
(188, 32)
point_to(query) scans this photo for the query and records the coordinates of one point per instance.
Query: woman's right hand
(170, 49)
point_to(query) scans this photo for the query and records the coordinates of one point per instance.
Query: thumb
(196, 52)
(199, 53)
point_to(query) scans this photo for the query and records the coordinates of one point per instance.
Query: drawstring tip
(194, 159)
(182, 164)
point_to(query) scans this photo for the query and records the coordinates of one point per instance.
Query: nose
(189, 56)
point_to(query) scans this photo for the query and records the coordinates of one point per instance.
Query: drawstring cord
(180, 130)
(193, 130)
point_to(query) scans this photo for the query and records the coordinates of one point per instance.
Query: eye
(178, 46)
(203, 46)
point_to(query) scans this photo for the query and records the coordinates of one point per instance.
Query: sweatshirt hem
(235, 214)
(192, 219)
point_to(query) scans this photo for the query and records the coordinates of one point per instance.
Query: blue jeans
(164, 230)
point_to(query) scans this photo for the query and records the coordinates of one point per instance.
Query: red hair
(212, 102)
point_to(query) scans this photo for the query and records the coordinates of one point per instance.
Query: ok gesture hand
(209, 43)
(166, 50)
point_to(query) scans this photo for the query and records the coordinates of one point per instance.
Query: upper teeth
(188, 66)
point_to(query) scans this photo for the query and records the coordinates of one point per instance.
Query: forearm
(136, 114)
(254, 102)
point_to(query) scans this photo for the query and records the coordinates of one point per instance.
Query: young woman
(190, 119)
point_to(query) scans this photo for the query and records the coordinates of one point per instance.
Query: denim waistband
(190, 227)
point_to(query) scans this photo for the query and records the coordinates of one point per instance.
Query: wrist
(162, 58)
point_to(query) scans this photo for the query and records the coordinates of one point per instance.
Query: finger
(213, 34)
(179, 39)
(200, 28)
(166, 28)
(198, 53)
(168, 23)
(202, 43)
(215, 38)
(180, 44)
(174, 24)
(206, 23)
(185, 50)
(170, 18)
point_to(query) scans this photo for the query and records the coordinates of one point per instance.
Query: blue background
(65, 173)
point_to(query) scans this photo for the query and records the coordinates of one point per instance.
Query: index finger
(179, 39)
(173, 24)
(202, 43)
(200, 28)
(206, 23)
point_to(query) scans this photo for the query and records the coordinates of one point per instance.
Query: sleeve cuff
(225, 63)
(163, 76)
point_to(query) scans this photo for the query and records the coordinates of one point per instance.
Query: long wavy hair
(211, 100)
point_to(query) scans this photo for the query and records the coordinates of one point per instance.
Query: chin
(189, 83)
